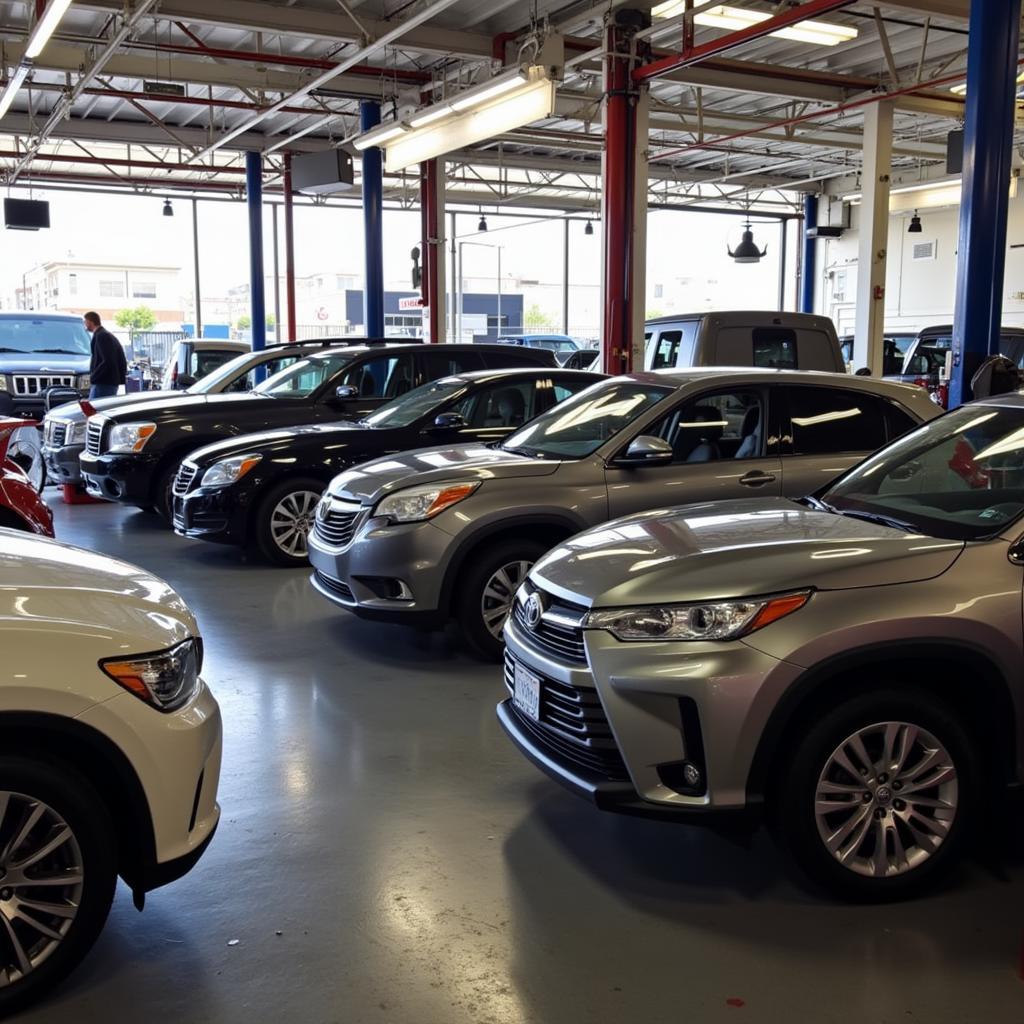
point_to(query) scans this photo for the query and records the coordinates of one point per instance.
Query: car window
(960, 476)
(725, 425)
(381, 377)
(774, 347)
(665, 349)
(826, 421)
(898, 420)
(202, 363)
(407, 409)
(302, 378)
(508, 404)
(511, 358)
(448, 363)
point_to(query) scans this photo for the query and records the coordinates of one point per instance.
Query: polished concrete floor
(386, 856)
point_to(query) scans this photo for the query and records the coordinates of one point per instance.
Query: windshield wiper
(877, 517)
(18, 351)
(60, 352)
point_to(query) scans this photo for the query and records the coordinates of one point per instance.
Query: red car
(21, 507)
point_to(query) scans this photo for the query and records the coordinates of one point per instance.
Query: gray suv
(850, 663)
(452, 532)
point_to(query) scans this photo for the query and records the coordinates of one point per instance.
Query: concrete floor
(386, 856)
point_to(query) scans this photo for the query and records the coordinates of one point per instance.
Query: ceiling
(753, 128)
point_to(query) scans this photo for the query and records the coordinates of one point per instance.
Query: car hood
(735, 549)
(72, 411)
(333, 440)
(372, 480)
(54, 593)
(42, 362)
(176, 403)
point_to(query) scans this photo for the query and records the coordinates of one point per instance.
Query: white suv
(110, 747)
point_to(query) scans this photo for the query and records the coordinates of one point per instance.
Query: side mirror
(186, 381)
(346, 392)
(449, 421)
(646, 450)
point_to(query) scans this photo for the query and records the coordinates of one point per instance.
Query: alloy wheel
(886, 799)
(496, 602)
(291, 520)
(41, 877)
(25, 450)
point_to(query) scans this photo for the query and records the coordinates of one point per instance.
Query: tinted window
(202, 363)
(898, 420)
(380, 377)
(727, 425)
(44, 335)
(304, 377)
(410, 407)
(825, 421)
(447, 364)
(509, 404)
(774, 347)
(514, 357)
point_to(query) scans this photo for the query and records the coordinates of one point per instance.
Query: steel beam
(254, 202)
(992, 62)
(373, 225)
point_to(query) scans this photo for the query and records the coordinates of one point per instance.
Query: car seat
(750, 446)
(506, 409)
(706, 449)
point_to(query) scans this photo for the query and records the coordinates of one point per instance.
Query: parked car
(132, 455)
(583, 359)
(192, 359)
(561, 344)
(452, 532)
(21, 506)
(39, 351)
(895, 348)
(64, 427)
(778, 341)
(265, 487)
(111, 748)
(849, 662)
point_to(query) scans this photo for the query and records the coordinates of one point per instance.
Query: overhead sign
(410, 303)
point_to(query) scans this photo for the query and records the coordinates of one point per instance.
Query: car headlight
(416, 504)
(229, 471)
(75, 434)
(166, 680)
(130, 437)
(712, 620)
(84, 381)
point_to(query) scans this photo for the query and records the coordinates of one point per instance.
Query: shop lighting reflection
(825, 417)
(840, 553)
(1013, 443)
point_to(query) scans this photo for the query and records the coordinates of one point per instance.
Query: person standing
(109, 367)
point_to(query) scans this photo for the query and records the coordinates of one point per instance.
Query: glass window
(898, 420)
(509, 404)
(51, 335)
(960, 476)
(580, 425)
(666, 348)
(73, 283)
(825, 421)
(381, 377)
(421, 401)
(203, 363)
(144, 290)
(304, 377)
(774, 347)
(447, 364)
(112, 289)
(727, 425)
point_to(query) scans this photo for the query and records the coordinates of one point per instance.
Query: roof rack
(339, 342)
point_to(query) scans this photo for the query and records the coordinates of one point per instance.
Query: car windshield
(960, 477)
(401, 412)
(224, 373)
(579, 426)
(56, 335)
(301, 379)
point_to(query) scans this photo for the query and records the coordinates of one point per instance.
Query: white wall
(918, 293)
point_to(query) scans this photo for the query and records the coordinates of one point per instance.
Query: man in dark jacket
(109, 367)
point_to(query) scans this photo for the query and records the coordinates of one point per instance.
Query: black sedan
(264, 488)
(132, 453)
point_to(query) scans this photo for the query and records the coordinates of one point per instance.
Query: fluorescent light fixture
(961, 89)
(13, 85)
(734, 19)
(45, 27)
(380, 135)
(431, 115)
(481, 95)
(535, 100)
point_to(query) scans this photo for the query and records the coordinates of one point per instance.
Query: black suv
(39, 351)
(265, 487)
(132, 454)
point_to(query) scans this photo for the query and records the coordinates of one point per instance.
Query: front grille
(338, 526)
(572, 724)
(343, 590)
(94, 437)
(55, 433)
(183, 481)
(559, 631)
(34, 384)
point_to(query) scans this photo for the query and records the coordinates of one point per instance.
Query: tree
(142, 318)
(244, 322)
(536, 318)
(271, 321)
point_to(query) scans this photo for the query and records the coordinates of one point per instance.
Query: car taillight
(921, 382)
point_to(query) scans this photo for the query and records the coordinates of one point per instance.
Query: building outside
(78, 286)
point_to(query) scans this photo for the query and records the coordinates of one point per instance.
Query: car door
(377, 380)
(492, 412)
(825, 431)
(446, 363)
(723, 447)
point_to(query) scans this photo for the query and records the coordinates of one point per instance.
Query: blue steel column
(254, 200)
(993, 40)
(373, 225)
(808, 272)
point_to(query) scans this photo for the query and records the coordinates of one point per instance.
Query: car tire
(163, 493)
(284, 517)
(486, 590)
(896, 830)
(63, 801)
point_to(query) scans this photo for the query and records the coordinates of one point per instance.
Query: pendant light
(747, 251)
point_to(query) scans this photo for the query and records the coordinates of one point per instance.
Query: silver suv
(851, 662)
(427, 535)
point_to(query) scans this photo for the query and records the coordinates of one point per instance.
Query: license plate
(526, 692)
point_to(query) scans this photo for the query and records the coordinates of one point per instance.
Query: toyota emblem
(533, 610)
(323, 508)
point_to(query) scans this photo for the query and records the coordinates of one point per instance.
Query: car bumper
(177, 759)
(657, 708)
(127, 478)
(387, 572)
(62, 464)
(214, 514)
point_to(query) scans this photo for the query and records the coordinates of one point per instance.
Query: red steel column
(619, 179)
(289, 247)
(433, 251)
